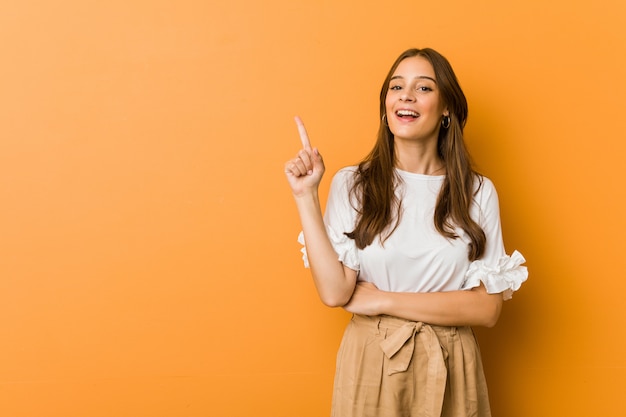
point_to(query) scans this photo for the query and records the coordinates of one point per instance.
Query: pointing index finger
(304, 137)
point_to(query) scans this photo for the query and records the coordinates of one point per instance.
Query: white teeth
(406, 113)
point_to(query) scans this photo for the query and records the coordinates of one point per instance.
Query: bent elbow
(492, 313)
(332, 304)
(491, 321)
(335, 300)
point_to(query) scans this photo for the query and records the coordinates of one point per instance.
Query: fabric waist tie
(399, 348)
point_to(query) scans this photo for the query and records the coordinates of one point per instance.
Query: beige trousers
(391, 367)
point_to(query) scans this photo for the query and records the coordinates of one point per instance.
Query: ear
(446, 112)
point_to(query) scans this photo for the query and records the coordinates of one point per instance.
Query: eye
(424, 88)
(395, 87)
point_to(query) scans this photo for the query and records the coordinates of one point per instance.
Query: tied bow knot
(399, 349)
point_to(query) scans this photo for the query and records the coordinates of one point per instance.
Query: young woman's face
(413, 104)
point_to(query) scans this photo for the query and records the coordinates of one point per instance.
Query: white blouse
(416, 258)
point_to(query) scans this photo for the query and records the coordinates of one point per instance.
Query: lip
(402, 118)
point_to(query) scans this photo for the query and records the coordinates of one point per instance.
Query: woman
(411, 244)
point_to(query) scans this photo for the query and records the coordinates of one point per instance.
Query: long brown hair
(376, 180)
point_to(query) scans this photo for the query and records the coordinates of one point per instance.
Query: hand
(305, 171)
(365, 300)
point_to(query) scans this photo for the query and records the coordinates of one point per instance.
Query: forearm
(455, 308)
(335, 283)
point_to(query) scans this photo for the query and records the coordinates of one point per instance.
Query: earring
(445, 122)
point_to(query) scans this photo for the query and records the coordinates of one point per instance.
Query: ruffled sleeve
(498, 272)
(339, 219)
(344, 246)
(505, 276)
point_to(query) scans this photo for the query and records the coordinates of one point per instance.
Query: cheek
(438, 106)
(388, 106)
(432, 113)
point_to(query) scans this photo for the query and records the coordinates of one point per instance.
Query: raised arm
(335, 283)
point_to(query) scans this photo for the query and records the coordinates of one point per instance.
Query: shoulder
(345, 176)
(341, 194)
(341, 187)
(483, 184)
(348, 171)
(486, 201)
(484, 189)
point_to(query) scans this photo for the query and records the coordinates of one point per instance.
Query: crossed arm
(473, 307)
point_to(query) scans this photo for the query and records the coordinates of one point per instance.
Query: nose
(407, 95)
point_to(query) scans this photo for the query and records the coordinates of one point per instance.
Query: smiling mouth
(407, 114)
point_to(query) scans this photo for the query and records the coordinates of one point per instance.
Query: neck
(418, 158)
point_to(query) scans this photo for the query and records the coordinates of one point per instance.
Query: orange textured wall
(148, 255)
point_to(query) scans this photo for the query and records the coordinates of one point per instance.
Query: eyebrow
(419, 77)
